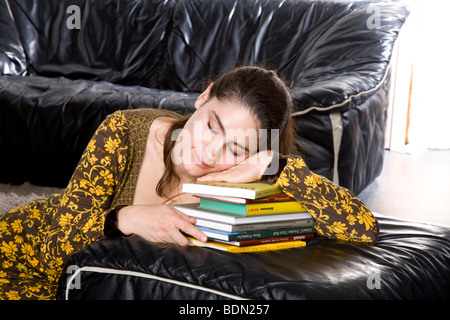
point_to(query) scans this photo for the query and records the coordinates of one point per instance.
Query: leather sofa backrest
(118, 41)
(320, 47)
(12, 57)
(209, 38)
(350, 59)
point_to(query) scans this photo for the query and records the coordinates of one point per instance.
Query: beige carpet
(12, 196)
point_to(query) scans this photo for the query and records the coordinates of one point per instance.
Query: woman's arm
(80, 216)
(337, 213)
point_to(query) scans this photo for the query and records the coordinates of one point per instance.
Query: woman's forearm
(337, 212)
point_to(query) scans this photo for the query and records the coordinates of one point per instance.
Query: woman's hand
(251, 169)
(158, 223)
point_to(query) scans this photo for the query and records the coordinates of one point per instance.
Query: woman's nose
(212, 150)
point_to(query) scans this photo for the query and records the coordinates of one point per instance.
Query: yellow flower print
(3, 227)
(9, 248)
(117, 123)
(72, 206)
(83, 183)
(346, 206)
(13, 295)
(310, 182)
(88, 225)
(53, 273)
(91, 158)
(91, 146)
(34, 288)
(34, 262)
(27, 249)
(7, 264)
(65, 220)
(365, 238)
(283, 180)
(112, 124)
(105, 161)
(107, 176)
(3, 275)
(351, 220)
(342, 237)
(18, 239)
(337, 227)
(67, 247)
(34, 213)
(111, 145)
(354, 234)
(342, 192)
(298, 163)
(97, 190)
(64, 200)
(366, 218)
(17, 226)
(293, 179)
(290, 194)
(120, 158)
(54, 265)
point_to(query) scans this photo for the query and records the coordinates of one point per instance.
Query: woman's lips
(199, 162)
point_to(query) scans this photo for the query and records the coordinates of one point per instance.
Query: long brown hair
(263, 92)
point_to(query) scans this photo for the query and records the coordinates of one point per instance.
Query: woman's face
(219, 135)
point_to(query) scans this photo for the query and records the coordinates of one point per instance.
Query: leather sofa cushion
(410, 261)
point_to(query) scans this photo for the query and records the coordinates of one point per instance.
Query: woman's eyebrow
(219, 122)
(222, 128)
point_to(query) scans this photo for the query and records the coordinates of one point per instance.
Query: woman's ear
(203, 97)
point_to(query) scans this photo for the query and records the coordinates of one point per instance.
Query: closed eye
(235, 147)
(215, 132)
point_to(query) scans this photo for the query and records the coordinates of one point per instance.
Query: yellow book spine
(248, 249)
(257, 209)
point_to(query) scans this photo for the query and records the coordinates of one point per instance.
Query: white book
(271, 220)
(254, 226)
(251, 190)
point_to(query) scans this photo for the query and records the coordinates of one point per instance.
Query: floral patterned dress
(38, 238)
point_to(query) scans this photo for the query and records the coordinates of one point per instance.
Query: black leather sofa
(59, 82)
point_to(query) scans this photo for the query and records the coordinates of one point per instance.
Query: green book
(251, 209)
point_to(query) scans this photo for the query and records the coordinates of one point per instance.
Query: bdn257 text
(226, 309)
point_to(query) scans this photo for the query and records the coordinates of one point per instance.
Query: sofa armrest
(349, 60)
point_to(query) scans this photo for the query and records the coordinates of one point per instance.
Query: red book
(279, 197)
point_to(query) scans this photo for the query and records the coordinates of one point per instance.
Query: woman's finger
(186, 225)
(214, 177)
(238, 174)
(191, 230)
(179, 239)
(184, 216)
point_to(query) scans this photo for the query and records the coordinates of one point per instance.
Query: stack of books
(247, 217)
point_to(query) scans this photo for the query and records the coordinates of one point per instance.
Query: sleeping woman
(134, 166)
